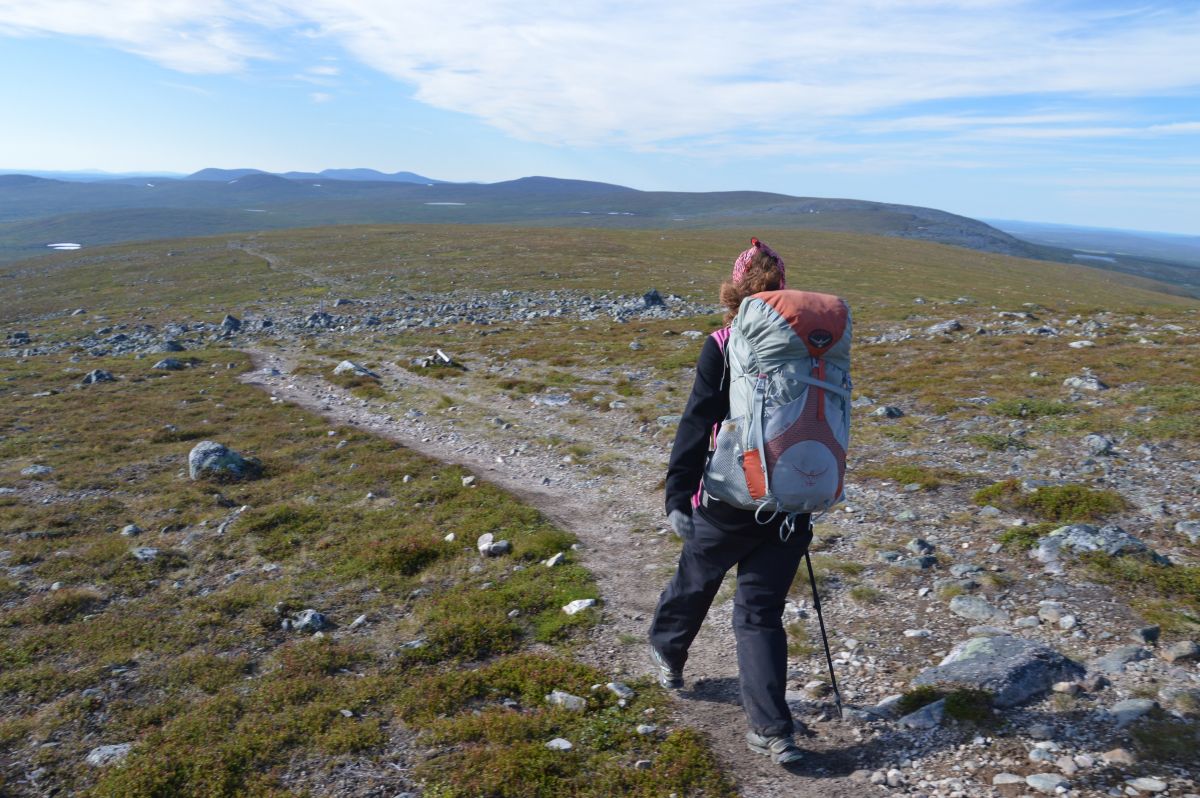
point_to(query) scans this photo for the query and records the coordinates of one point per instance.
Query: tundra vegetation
(184, 654)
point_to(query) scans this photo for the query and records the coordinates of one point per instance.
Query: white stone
(559, 744)
(574, 703)
(108, 754)
(578, 605)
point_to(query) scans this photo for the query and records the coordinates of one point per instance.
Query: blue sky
(1060, 111)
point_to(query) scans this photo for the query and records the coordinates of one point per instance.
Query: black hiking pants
(726, 536)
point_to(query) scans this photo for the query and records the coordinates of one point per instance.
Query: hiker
(718, 535)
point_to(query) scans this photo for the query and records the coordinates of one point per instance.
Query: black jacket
(708, 405)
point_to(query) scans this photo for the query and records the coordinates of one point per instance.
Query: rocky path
(618, 521)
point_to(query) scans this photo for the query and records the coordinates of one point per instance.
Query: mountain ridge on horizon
(37, 210)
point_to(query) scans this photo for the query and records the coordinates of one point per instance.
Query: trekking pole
(812, 579)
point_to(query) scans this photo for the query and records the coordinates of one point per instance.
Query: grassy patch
(799, 642)
(1166, 594)
(909, 474)
(189, 648)
(999, 443)
(1029, 408)
(865, 594)
(1023, 538)
(490, 747)
(1055, 503)
(1167, 741)
(914, 699)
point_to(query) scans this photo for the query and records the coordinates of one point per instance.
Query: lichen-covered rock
(212, 460)
(1082, 538)
(1012, 669)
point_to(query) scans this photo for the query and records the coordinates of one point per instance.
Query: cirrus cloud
(696, 75)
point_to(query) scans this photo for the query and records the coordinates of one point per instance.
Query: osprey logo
(820, 338)
(810, 477)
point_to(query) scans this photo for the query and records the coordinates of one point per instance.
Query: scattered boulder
(559, 744)
(170, 345)
(144, 553)
(1183, 651)
(621, 690)
(320, 319)
(653, 299)
(1098, 445)
(104, 755)
(231, 324)
(927, 717)
(350, 367)
(977, 608)
(1147, 635)
(1048, 783)
(37, 471)
(578, 605)
(310, 621)
(1080, 538)
(1130, 710)
(1114, 662)
(489, 547)
(1147, 784)
(1087, 382)
(888, 411)
(944, 327)
(212, 460)
(98, 375)
(1012, 669)
(560, 698)
(169, 364)
(1190, 529)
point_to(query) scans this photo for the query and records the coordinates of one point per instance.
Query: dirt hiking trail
(630, 563)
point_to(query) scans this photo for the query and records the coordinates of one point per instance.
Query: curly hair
(762, 274)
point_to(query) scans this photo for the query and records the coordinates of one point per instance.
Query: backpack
(782, 448)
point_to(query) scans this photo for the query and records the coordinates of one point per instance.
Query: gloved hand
(682, 523)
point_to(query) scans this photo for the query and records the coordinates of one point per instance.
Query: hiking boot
(781, 748)
(668, 677)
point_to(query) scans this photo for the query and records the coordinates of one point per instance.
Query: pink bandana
(743, 260)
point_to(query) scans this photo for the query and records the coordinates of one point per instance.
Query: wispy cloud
(320, 97)
(649, 76)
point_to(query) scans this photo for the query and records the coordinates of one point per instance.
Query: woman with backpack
(718, 535)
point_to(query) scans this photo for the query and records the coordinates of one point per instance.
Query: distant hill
(37, 211)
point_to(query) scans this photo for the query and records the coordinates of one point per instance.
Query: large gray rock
(350, 367)
(1080, 538)
(977, 608)
(169, 364)
(1098, 445)
(927, 717)
(1191, 529)
(1114, 662)
(1127, 711)
(103, 755)
(1012, 669)
(98, 375)
(212, 460)
(1085, 383)
(943, 327)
